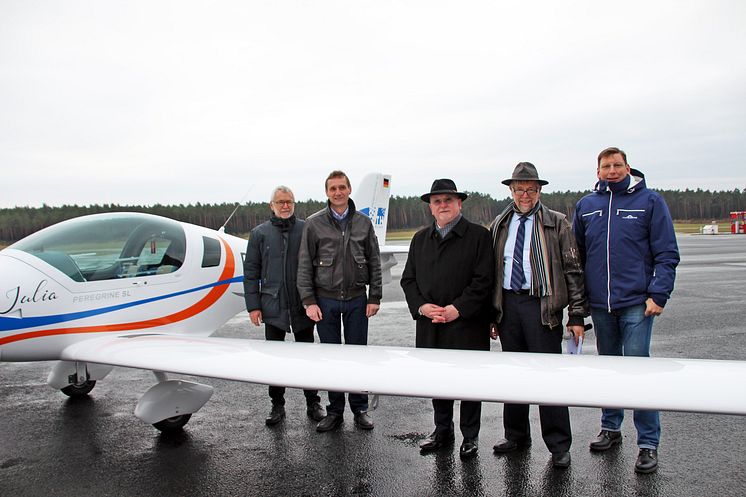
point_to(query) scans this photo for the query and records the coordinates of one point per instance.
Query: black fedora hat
(443, 185)
(525, 171)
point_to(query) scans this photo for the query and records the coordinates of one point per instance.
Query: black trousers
(521, 331)
(469, 421)
(277, 394)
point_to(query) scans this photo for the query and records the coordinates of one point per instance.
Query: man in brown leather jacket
(538, 274)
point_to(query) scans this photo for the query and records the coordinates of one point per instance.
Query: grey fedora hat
(525, 171)
(443, 185)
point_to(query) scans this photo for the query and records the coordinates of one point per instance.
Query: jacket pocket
(597, 212)
(362, 276)
(266, 261)
(634, 224)
(324, 272)
(270, 302)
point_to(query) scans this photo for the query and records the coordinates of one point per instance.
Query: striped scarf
(541, 277)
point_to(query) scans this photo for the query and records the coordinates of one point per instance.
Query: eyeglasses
(520, 191)
(283, 202)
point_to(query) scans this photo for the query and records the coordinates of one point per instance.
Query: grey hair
(281, 188)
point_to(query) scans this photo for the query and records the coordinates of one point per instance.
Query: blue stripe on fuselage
(12, 324)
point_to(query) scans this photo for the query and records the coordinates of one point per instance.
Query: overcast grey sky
(144, 102)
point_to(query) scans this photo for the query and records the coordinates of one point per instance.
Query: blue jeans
(352, 314)
(627, 332)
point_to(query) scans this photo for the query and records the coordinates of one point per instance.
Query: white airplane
(142, 291)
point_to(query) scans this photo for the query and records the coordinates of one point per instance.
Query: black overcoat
(458, 270)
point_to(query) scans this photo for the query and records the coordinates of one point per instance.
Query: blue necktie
(517, 277)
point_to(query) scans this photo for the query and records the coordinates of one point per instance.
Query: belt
(517, 292)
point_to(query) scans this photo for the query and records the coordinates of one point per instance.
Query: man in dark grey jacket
(338, 258)
(538, 274)
(271, 292)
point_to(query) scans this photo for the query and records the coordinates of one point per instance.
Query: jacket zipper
(344, 259)
(608, 254)
(285, 244)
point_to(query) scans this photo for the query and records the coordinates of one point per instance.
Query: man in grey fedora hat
(447, 282)
(537, 274)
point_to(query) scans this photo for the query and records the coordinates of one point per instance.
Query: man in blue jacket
(271, 293)
(628, 246)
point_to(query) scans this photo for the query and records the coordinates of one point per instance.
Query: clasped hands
(438, 314)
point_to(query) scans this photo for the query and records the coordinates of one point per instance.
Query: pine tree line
(686, 206)
(404, 212)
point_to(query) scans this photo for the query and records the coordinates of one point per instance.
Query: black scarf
(282, 224)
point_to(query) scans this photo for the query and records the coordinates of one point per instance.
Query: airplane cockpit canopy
(109, 246)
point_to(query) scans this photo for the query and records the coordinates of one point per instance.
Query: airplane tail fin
(372, 199)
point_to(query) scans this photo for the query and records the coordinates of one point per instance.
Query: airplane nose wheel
(77, 390)
(173, 424)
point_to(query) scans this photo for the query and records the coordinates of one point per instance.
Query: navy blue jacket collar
(635, 180)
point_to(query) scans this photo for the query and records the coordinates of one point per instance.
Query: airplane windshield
(109, 246)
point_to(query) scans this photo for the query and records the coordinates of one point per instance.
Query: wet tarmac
(52, 445)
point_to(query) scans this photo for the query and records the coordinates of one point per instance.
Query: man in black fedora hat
(447, 282)
(537, 274)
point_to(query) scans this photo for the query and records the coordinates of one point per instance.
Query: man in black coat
(448, 281)
(270, 290)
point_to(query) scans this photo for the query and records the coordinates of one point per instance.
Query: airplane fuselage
(67, 289)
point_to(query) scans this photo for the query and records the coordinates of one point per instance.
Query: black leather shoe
(329, 422)
(647, 461)
(469, 448)
(363, 420)
(561, 460)
(606, 440)
(436, 441)
(505, 445)
(315, 411)
(276, 415)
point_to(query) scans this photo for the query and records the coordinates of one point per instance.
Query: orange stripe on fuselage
(213, 295)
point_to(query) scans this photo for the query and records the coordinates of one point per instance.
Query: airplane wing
(388, 259)
(592, 381)
(394, 249)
